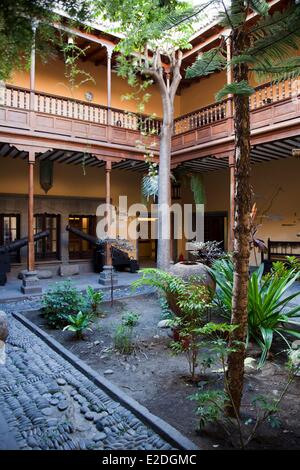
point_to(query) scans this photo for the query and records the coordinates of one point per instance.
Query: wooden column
(108, 258)
(229, 74)
(109, 55)
(30, 222)
(232, 202)
(108, 276)
(32, 67)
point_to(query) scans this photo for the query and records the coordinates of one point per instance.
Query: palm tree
(263, 49)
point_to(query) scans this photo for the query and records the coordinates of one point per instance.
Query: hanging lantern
(46, 175)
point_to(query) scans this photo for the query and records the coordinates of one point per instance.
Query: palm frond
(150, 186)
(177, 17)
(233, 15)
(276, 72)
(277, 20)
(276, 36)
(240, 88)
(209, 62)
(260, 6)
(242, 59)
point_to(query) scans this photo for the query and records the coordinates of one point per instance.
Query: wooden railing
(269, 93)
(264, 95)
(135, 122)
(16, 97)
(212, 113)
(22, 98)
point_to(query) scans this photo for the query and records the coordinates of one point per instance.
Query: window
(9, 232)
(47, 248)
(79, 248)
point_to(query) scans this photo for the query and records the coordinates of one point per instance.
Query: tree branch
(176, 74)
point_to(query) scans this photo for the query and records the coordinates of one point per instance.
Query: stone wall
(63, 206)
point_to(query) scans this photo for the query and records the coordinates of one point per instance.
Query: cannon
(14, 246)
(120, 258)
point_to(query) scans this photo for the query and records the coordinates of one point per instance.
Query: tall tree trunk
(168, 84)
(164, 190)
(243, 196)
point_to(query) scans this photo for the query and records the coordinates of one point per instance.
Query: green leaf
(209, 62)
(240, 88)
(260, 6)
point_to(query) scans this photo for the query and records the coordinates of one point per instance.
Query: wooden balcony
(58, 118)
(275, 114)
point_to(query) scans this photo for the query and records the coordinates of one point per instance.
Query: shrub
(268, 311)
(176, 289)
(190, 312)
(78, 323)
(123, 337)
(207, 252)
(212, 404)
(94, 299)
(130, 319)
(60, 302)
(294, 263)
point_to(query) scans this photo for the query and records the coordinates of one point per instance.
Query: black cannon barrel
(85, 236)
(16, 245)
(120, 258)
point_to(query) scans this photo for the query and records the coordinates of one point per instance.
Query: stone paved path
(48, 404)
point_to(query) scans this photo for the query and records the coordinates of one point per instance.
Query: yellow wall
(69, 180)
(50, 78)
(276, 181)
(201, 93)
(276, 193)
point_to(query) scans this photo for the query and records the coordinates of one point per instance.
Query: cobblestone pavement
(48, 404)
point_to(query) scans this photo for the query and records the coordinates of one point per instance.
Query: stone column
(30, 283)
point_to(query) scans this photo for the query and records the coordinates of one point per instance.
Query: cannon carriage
(120, 258)
(5, 250)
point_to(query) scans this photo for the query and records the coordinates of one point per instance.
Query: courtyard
(149, 229)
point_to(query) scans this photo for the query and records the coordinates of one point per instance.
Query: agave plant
(268, 303)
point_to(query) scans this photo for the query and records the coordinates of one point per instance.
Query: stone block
(3, 326)
(107, 276)
(66, 270)
(30, 283)
(41, 274)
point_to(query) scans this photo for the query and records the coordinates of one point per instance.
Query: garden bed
(157, 379)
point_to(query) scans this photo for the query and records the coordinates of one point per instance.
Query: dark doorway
(215, 227)
(79, 248)
(47, 248)
(10, 232)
